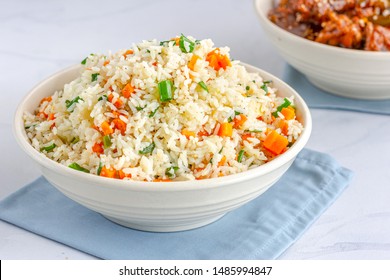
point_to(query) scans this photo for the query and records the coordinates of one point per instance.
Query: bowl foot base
(158, 227)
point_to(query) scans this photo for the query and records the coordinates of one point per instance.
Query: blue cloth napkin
(261, 229)
(317, 98)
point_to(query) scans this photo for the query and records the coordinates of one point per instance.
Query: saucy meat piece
(356, 24)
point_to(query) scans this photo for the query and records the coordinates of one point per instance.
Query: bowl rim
(262, 14)
(22, 139)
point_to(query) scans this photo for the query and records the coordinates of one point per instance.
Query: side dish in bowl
(163, 136)
(340, 46)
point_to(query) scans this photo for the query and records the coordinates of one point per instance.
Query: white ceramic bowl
(350, 73)
(152, 206)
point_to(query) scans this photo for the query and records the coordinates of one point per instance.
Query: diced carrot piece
(177, 40)
(245, 136)
(193, 61)
(162, 180)
(108, 172)
(239, 120)
(127, 90)
(122, 175)
(217, 60)
(187, 133)
(106, 128)
(120, 124)
(51, 117)
(222, 161)
(288, 113)
(275, 142)
(203, 132)
(98, 148)
(48, 99)
(118, 103)
(226, 129)
(283, 126)
(106, 62)
(128, 52)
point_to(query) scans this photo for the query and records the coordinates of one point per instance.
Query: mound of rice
(174, 110)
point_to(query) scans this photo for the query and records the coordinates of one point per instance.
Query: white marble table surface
(38, 38)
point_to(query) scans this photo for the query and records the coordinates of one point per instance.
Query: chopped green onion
(203, 85)
(254, 131)
(99, 168)
(153, 113)
(166, 42)
(107, 142)
(84, 61)
(75, 166)
(240, 155)
(148, 51)
(264, 86)
(75, 140)
(236, 113)
(186, 45)
(139, 108)
(285, 104)
(230, 119)
(247, 87)
(147, 150)
(103, 97)
(170, 172)
(69, 103)
(165, 90)
(220, 151)
(94, 77)
(49, 148)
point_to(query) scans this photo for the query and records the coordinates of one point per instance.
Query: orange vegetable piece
(162, 180)
(127, 90)
(193, 61)
(51, 117)
(222, 161)
(288, 113)
(275, 142)
(217, 60)
(48, 99)
(122, 175)
(118, 103)
(177, 41)
(108, 172)
(98, 148)
(187, 133)
(106, 62)
(226, 129)
(239, 120)
(119, 124)
(128, 52)
(245, 136)
(106, 128)
(283, 126)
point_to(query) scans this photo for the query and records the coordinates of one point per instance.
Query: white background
(38, 38)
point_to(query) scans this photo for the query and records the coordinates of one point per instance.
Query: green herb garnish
(264, 86)
(153, 113)
(75, 140)
(170, 172)
(203, 85)
(99, 168)
(75, 166)
(166, 42)
(285, 104)
(247, 88)
(147, 150)
(139, 108)
(165, 90)
(84, 61)
(103, 97)
(69, 103)
(107, 142)
(94, 77)
(49, 148)
(186, 45)
(240, 155)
